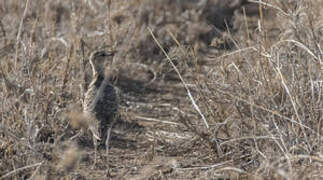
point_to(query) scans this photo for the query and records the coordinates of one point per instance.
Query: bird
(101, 101)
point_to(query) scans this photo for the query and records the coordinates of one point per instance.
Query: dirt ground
(209, 89)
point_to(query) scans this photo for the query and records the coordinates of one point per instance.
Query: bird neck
(97, 70)
(99, 75)
(99, 78)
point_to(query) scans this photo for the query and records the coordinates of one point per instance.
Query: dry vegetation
(239, 98)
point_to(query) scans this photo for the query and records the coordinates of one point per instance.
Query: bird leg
(95, 151)
(107, 142)
(108, 134)
(103, 135)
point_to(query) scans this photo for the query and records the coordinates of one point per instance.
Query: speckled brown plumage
(101, 99)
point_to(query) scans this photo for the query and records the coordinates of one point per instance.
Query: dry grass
(235, 98)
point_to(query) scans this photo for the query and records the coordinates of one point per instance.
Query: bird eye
(103, 54)
(100, 54)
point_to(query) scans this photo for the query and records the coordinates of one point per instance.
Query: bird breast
(101, 99)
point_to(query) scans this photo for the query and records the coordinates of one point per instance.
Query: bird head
(99, 58)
